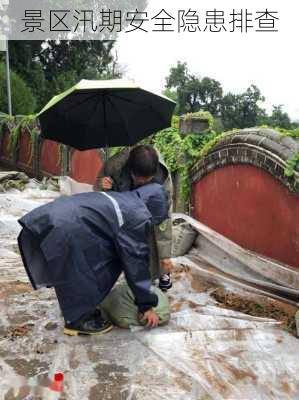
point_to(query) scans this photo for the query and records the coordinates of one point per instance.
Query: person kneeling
(81, 244)
(120, 308)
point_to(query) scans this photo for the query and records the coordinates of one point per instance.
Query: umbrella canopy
(94, 114)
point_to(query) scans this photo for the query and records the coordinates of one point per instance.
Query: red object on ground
(58, 377)
(253, 209)
(57, 384)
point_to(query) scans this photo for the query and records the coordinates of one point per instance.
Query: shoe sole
(164, 288)
(75, 332)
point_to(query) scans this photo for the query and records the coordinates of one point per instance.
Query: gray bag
(120, 308)
(183, 237)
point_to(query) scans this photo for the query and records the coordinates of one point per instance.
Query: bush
(23, 101)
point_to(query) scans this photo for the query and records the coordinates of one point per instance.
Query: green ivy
(26, 123)
(180, 153)
(6, 122)
(291, 133)
(61, 151)
(292, 165)
(293, 162)
(214, 141)
(115, 150)
(175, 121)
(16, 125)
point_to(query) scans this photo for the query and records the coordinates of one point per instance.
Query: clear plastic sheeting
(226, 256)
(230, 364)
(69, 186)
(205, 352)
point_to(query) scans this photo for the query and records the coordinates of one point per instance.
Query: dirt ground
(258, 306)
(255, 305)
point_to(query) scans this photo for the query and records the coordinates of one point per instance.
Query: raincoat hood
(155, 199)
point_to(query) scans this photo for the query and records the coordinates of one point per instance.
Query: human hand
(166, 265)
(151, 317)
(106, 183)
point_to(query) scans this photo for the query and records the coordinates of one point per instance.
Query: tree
(242, 110)
(171, 94)
(279, 118)
(193, 94)
(23, 101)
(51, 67)
(24, 60)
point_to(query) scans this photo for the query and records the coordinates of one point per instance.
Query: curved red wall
(250, 207)
(85, 165)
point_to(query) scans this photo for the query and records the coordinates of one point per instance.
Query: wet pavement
(205, 352)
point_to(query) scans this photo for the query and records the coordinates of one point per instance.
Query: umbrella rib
(144, 106)
(82, 102)
(124, 121)
(128, 100)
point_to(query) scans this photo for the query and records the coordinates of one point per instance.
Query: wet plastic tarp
(228, 257)
(205, 352)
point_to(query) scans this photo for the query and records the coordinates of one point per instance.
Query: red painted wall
(250, 207)
(85, 165)
(6, 150)
(49, 158)
(24, 153)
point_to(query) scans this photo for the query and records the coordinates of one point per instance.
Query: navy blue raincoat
(80, 244)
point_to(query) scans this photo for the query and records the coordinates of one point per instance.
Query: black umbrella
(97, 114)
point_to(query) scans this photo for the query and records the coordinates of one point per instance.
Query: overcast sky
(268, 59)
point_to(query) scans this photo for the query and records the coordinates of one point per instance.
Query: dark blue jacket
(96, 233)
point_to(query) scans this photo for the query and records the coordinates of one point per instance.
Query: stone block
(193, 125)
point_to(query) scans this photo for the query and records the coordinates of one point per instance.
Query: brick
(296, 186)
(250, 153)
(223, 153)
(270, 163)
(223, 161)
(279, 170)
(260, 158)
(215, 156)
(232, 152)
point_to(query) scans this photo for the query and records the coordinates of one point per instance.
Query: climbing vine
(62, 148)
(16, 125)
(292, 165)
(293, 162)
(180, 152)
(26, 123)
(6, 122)
(291, 133)
(214, 141)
